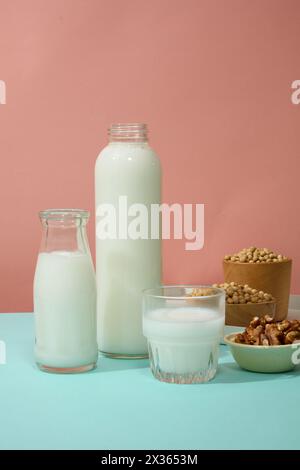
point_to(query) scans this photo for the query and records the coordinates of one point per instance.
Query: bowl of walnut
(266, 345)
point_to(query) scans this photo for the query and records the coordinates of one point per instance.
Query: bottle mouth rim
(128, 127)
(62, 214)
(135, 131)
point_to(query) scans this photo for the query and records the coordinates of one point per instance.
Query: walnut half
(265, 331)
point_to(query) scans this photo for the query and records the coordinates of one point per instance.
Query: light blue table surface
(121, 406)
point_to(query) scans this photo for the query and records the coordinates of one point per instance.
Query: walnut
(284, 325)
(253, 334)
(239, 338)
(292, 336)
(273, 334)
(265, 331)
(266, 319)
(255, 322)
(264, 340)
(294, 325)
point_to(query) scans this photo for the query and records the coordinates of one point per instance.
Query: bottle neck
(135, 132)
(64, 230)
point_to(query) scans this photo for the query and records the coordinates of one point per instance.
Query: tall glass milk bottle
(128, 256)
(65, 294)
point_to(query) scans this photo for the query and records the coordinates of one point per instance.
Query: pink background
(212, 78)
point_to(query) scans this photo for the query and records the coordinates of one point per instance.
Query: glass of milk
(183, 326)
(65, 294)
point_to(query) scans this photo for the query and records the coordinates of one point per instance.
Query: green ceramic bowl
(267, 359)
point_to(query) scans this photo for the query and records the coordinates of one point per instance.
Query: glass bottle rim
(184, 291)
(126, 132)
(62, 214)
(127, 127)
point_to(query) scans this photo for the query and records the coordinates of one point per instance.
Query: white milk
(124, 266)
(65, 310)
(183, 339)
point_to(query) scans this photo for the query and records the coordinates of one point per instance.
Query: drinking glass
(183, 326)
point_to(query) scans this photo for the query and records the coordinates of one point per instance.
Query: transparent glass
(65, 294)
(127, 171)
(128, 132)
(183, 326)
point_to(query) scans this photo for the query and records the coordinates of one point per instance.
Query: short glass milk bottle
(65, 294)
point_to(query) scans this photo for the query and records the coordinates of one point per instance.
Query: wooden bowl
(273, 278)
(242, 314)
